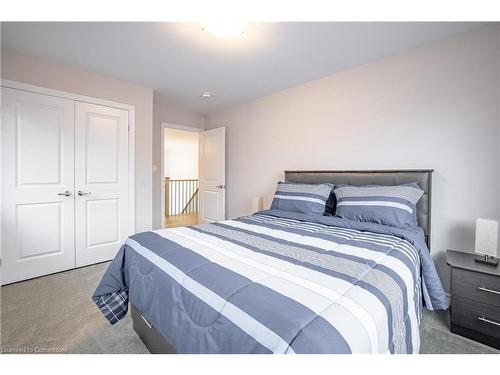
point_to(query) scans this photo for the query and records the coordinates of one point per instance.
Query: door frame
(88, 99)
(168, 125)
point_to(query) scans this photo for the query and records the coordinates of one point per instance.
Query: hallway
(181, 220)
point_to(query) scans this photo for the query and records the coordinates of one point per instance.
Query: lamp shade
(487, 232)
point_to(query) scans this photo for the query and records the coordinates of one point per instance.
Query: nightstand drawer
(477, 316)
(479, 287)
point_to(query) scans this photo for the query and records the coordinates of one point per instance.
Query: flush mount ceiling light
(206, 95)
(224, 30)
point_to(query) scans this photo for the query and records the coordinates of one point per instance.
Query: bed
(280, 282)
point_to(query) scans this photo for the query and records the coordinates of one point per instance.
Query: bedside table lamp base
(490, 261)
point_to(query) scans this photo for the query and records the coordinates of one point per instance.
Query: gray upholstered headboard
(378, 177)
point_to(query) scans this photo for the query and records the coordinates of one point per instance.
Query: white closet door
(37, 170)
(101, 182)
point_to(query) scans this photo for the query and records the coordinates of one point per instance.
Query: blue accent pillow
(395, 206)
(302, 198)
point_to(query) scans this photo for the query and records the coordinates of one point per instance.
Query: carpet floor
(55, 314)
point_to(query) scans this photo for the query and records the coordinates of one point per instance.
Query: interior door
(101, 182)
(37, 185)
(212, 175)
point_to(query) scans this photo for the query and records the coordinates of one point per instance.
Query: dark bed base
(155, 342)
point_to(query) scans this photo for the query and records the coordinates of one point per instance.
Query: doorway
(180, 182)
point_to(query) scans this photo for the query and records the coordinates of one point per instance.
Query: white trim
(63, 94)
(167, 125)
(180, 127)
(131, 169)
(87, 99)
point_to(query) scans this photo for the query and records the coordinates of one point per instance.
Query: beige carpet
(56, 314)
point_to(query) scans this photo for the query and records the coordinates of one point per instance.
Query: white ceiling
(180, 61)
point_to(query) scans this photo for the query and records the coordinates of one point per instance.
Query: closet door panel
(37, 170)
(101, 182)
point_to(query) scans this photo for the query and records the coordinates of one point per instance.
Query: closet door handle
(65, 194)
(82, 193)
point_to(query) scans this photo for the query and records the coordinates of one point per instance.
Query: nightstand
(475, 298)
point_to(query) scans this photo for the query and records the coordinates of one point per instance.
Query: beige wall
(166, 112)
(180, 154)
(433, 107)
(150, 111)
(22, 68)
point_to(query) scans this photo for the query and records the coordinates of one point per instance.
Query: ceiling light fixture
(206, 95)
(224, 30)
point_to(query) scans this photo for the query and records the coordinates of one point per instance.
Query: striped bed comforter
(275, 283)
